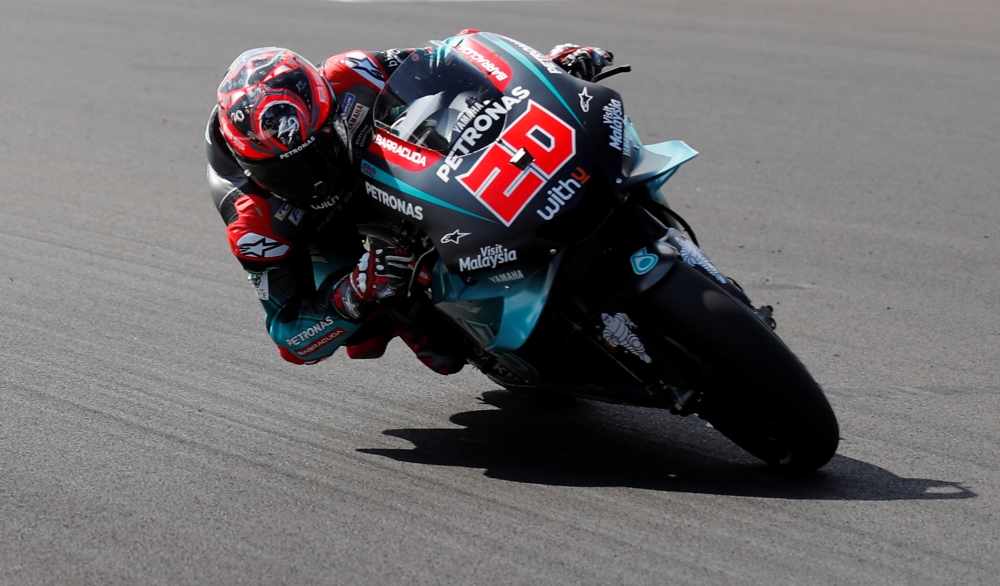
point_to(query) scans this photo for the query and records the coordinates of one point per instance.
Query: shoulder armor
(353, 68)
(252, 236)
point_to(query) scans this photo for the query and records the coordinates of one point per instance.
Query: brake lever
(612, 71)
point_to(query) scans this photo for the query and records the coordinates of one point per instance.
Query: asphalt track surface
(150, 434)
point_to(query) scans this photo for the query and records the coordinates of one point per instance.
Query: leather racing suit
(295, 256)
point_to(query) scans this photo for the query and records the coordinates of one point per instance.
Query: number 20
(505, 188)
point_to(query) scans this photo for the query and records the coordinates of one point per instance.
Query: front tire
(754, 389)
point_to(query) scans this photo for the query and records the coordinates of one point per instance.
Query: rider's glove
(582, 62)
(382, 274)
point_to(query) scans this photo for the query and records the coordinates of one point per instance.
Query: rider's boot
(369, 349)
(434, 345)
(436, 350)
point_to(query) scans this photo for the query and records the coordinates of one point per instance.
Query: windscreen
(434, 97)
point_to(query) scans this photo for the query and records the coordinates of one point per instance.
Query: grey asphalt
(150, 434)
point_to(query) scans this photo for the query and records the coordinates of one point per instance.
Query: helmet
(281, 121)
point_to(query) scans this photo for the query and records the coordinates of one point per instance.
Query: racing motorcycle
(531, 198)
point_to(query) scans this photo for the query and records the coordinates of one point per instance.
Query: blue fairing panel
(499, 316)
(652, 165)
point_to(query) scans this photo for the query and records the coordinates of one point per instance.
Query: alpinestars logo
(253, 245)
(585, 100)
(364, 66)
(453, 237)
(489, 257)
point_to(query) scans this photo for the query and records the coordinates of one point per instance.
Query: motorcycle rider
(283, 145)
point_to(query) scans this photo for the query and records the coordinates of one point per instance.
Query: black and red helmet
(281, 120)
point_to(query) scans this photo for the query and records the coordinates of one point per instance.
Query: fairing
(504, 160)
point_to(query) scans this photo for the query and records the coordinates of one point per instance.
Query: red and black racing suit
(296, 254)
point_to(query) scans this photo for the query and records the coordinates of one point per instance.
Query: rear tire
(754, 389)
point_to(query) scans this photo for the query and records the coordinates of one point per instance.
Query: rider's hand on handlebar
(582, 62)
(382, 274)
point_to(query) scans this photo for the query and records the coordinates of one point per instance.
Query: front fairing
(486, 146)
(449, 122)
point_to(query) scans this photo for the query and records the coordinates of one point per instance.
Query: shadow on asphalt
(592, 444)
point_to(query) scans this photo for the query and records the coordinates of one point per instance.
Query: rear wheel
(754, 390)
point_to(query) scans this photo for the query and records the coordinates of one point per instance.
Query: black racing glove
(582, 62)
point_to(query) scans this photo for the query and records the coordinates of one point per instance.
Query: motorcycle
(531, 198)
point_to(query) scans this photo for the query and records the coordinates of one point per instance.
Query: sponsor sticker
(544, 60)
(395, 203)
(473, 124)
(357, 115)
(326, 203)
(585, 100)
(614, 118)
(296, 216)
(692, 255)
(562, 192)
(259, 282)
(298, 149)
(318, 344)
(643, 262)
(453, 237)
(494, 67)
(347, 102)
(405, 155)
(283, 211)
(507, 277)
(489, 258)
(392, 58)
(310, 332)
(618, 334)
(253, 245)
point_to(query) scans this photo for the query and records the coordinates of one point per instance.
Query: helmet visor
(308, 172)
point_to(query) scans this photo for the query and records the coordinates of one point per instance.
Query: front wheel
(754, 389)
